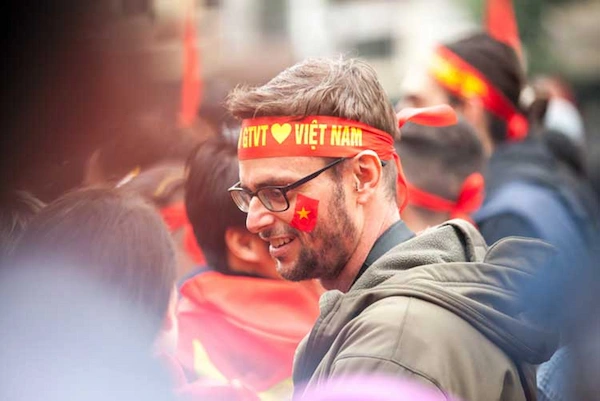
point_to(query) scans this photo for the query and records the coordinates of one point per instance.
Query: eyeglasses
(273, 197)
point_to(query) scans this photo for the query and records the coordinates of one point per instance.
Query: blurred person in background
(152, 161)
(212, 112)
(119, 241)
(64, 336)
(572, 372)
(529, 190)
(321, 183)
(443, 171)
(17, 208)
(594, 165)
(125, 154)
(239, 322)
(560, 122)
(567, 376)
(584, 333)
(163, 185)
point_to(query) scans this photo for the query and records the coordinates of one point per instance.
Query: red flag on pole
(501, 23)
(191, 83)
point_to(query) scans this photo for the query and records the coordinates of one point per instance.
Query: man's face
(420, 89)
(321, 253)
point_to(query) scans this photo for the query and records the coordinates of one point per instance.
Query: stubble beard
(328, 261)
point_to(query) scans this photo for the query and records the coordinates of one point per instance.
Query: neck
(373, 227)
(419, 219)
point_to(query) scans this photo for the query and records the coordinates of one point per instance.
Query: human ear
(366, 173)
(243, 244)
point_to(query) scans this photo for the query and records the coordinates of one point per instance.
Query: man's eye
(272, 194)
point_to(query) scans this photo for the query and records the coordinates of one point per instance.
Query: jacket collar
(394, 235)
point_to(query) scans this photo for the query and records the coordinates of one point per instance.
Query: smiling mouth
(278, 243)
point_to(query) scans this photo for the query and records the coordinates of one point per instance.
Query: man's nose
(259, 217)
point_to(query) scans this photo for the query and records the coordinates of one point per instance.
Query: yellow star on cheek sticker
(303, 214)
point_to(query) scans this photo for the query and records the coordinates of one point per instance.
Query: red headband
(463, 80)
(326, 136)
(469, 198)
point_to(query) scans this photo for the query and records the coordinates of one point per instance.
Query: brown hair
(337, 87)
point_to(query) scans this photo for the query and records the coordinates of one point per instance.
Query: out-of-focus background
(81, 72)
(96, 91)
(251, 40)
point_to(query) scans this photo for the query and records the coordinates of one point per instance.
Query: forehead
(276, 170)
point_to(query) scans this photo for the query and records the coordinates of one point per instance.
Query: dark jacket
(441, 308)
(529, 192)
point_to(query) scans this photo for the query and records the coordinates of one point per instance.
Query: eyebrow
(270, 182)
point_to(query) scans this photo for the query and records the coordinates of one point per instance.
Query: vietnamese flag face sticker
(305, 213)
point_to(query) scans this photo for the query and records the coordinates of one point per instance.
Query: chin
(285, 270)
(290, 272)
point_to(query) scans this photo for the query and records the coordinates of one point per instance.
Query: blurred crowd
(304, 238)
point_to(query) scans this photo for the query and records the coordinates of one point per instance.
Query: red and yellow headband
(461, 79)
(326, 136)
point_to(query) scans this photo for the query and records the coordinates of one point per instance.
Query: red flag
(501, 23)
(252, 321)
(191, 84)
(305, 213)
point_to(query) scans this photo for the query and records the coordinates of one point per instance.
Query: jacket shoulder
(413, 337)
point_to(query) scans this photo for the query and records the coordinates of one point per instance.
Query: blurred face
(321, 253)
(421, 90)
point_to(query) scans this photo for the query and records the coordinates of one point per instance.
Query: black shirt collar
(394, 235)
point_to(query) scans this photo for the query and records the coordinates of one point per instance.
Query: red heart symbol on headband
(281, 131)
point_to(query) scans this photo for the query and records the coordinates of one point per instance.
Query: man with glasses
(274, 197)
(321, 182)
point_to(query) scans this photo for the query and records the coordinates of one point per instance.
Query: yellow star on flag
(303, 214)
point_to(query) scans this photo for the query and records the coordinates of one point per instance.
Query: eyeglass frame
(284, 189)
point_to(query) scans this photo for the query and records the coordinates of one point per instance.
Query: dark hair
(17, 209)
(438, 159)
(500, 65)
(337, 87)
(114, 237)
(212, 169)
